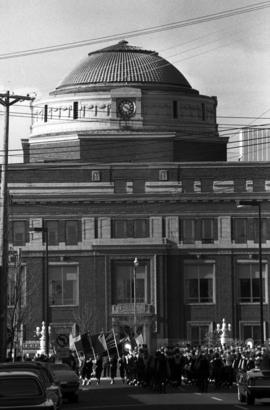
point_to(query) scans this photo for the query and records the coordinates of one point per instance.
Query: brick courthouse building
(124, 161)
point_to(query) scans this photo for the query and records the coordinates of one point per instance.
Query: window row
(68, 232)
(199, 283)
(200, 332)
(190, 230)
(247, 229)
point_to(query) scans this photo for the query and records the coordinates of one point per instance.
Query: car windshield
(18, 387)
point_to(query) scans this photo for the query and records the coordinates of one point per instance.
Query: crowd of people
(172, 365)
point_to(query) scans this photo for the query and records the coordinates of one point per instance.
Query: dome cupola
(122, 65)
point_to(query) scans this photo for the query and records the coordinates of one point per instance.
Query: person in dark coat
(217, 369)
(162, 372)
(113, 367)
(88, 370)
(98, 367)
(202, 370)
(122, 368)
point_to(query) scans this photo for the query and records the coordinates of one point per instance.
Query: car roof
(13, 373)
(29, 365)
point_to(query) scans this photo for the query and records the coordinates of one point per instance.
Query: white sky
(228, 58)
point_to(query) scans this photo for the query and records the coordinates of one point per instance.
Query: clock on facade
(126, 108)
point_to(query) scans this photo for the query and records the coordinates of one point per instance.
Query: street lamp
(45, 311)
(135, 265)
(241, 204)
(41, 333)
(224, 331)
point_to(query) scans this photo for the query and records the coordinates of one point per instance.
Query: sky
(228, 58)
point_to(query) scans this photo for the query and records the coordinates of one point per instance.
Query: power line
(136, 33)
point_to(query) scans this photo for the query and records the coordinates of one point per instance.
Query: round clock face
(126, 108)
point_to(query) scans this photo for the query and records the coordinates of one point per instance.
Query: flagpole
(104, 344)
(92, 347)
(118, 355)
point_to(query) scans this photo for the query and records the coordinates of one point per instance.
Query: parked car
(67, 379)
(52, 388)
(253, 384)
(23, 390)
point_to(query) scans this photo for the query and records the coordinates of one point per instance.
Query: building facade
(251, 144)
(124, 161)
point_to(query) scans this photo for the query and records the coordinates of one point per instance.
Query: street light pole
(7, 100)
(260, 273)
(135, 265)
(258, 205)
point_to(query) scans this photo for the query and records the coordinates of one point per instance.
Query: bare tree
(19, 311)
(84, 317)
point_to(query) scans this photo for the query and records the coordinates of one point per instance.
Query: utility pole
(6, 99)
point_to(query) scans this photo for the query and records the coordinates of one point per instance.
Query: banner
(108, 340)
(86, 344)
(139, 339)
(96, 344)
(75, 342)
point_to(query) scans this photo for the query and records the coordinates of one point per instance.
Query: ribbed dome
(122, 64)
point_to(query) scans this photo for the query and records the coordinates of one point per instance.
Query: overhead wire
(183, 134)
(135, 33)
(25, 115)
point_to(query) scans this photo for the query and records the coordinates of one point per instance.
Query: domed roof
(121, 65)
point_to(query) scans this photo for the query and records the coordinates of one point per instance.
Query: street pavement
(121, 396)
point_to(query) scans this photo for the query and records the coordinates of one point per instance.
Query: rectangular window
(265, 227)
(123, 283)
(199, 283)
(95, 176)
(130, 228)
(52, 227)
(175, 109)
(120, 228)
(249, 185)
(188, 230)
(72, 233)
(198, 333)
(63, 284)
(251, 331)
(16, 296)
(197, 186)
(19, 233)
(45, 113)
(225, 187)
(163, 175)
(208, 230)
(140, 228)
(203, 112)
(249, 282)
(239, 230)
(75, 110)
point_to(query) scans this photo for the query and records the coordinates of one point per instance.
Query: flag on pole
(139, 339)
(116, 340)
(86, 344)
(96, 344)
(108, 340)
(76, 343)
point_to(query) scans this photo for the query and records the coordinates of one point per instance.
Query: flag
(108, 340)
(128, 340)
(86, 344)
(77, 343)
(96, 344)
(139, 339)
